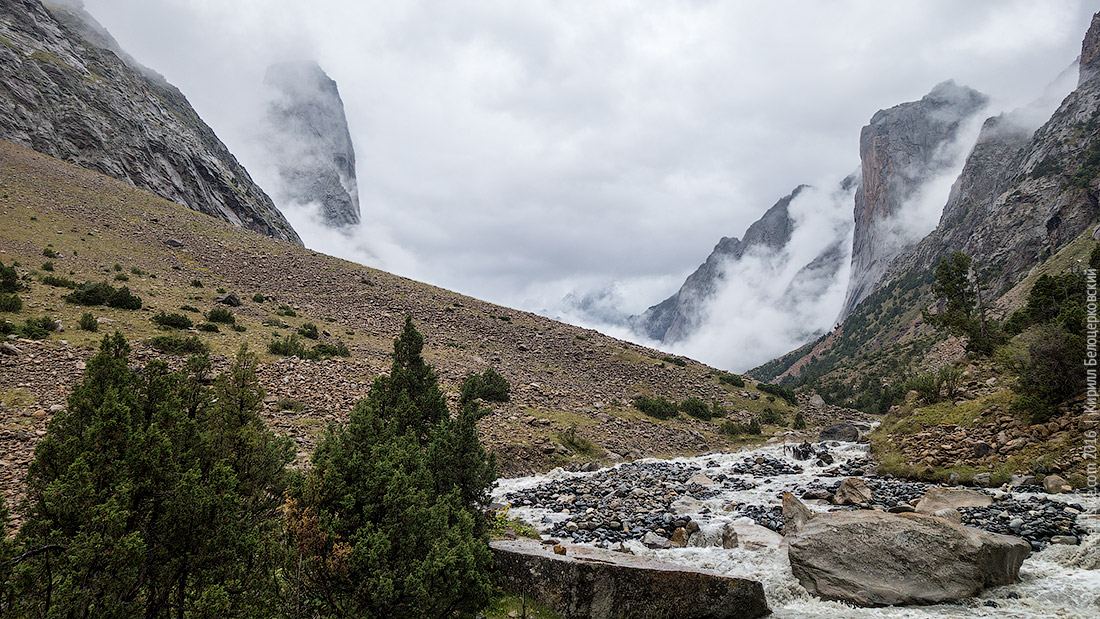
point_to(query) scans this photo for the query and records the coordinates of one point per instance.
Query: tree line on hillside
(154, 494)
(1048, 355)
(1041, 345)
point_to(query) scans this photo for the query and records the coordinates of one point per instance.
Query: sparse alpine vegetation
(102, 293)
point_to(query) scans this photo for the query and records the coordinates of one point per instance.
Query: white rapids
(1060, 581)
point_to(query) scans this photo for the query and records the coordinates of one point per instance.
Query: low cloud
(770, 303)
(506, 149)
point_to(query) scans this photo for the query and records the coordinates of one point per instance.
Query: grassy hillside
(871, 361)
(101, 230)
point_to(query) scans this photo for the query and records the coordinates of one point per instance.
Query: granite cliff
(900, 150)
(308, 138)
(1022, 194)
(67, 90)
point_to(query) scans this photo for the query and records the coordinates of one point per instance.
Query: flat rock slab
(938, 499)
(589, 582)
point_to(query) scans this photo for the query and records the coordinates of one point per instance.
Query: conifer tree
(147, 498)
(389, 521)
(964, 311)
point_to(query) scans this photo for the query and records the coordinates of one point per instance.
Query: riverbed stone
(937, 499)
(652, 540)
(852, 491)
(795, 513)
(839, 432)
(872, 558)
(751, 536)
(600, 584)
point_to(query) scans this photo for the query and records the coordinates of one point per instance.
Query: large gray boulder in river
(871, 558)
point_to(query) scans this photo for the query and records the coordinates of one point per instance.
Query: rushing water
(1061, 581)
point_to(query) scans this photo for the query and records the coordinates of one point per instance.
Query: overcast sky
(518, 150)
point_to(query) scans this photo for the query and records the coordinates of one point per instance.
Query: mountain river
(1058, 579)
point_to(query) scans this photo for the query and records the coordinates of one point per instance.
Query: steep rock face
(308, 135)
(1022, 196)
(900, 150)
(680, 315)
(68, 91)
(990, 170)
(1090, 53)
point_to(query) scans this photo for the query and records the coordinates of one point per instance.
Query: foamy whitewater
(1060, 581)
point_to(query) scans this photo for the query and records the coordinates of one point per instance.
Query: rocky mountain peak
(307, 133)
(900, 150)
(1090, 51)
(679, 316)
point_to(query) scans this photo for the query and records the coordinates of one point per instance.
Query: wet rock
(701, 479)
(820, 494)
(871, 558)
(804, 451)
(657, 542)
(938, 499)
(729, 536)
(852, 491)
(755, 537)
(839, 432)
(795, 514)
(1054, 484)
(679, 537)
(603, 584)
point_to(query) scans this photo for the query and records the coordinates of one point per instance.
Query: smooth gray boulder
(599, 584)
(839, 432)
(938, 499)
(795, 514)
(872, 558)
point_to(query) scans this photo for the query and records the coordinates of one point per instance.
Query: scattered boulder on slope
(230, 298)
(1054, 484)
(592, 583)
(871, 558)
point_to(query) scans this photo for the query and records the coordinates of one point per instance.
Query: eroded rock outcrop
(901, 149)
(871, 558)
(1023, 195)
(307, 134)
(67, 90)
(598, 584)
